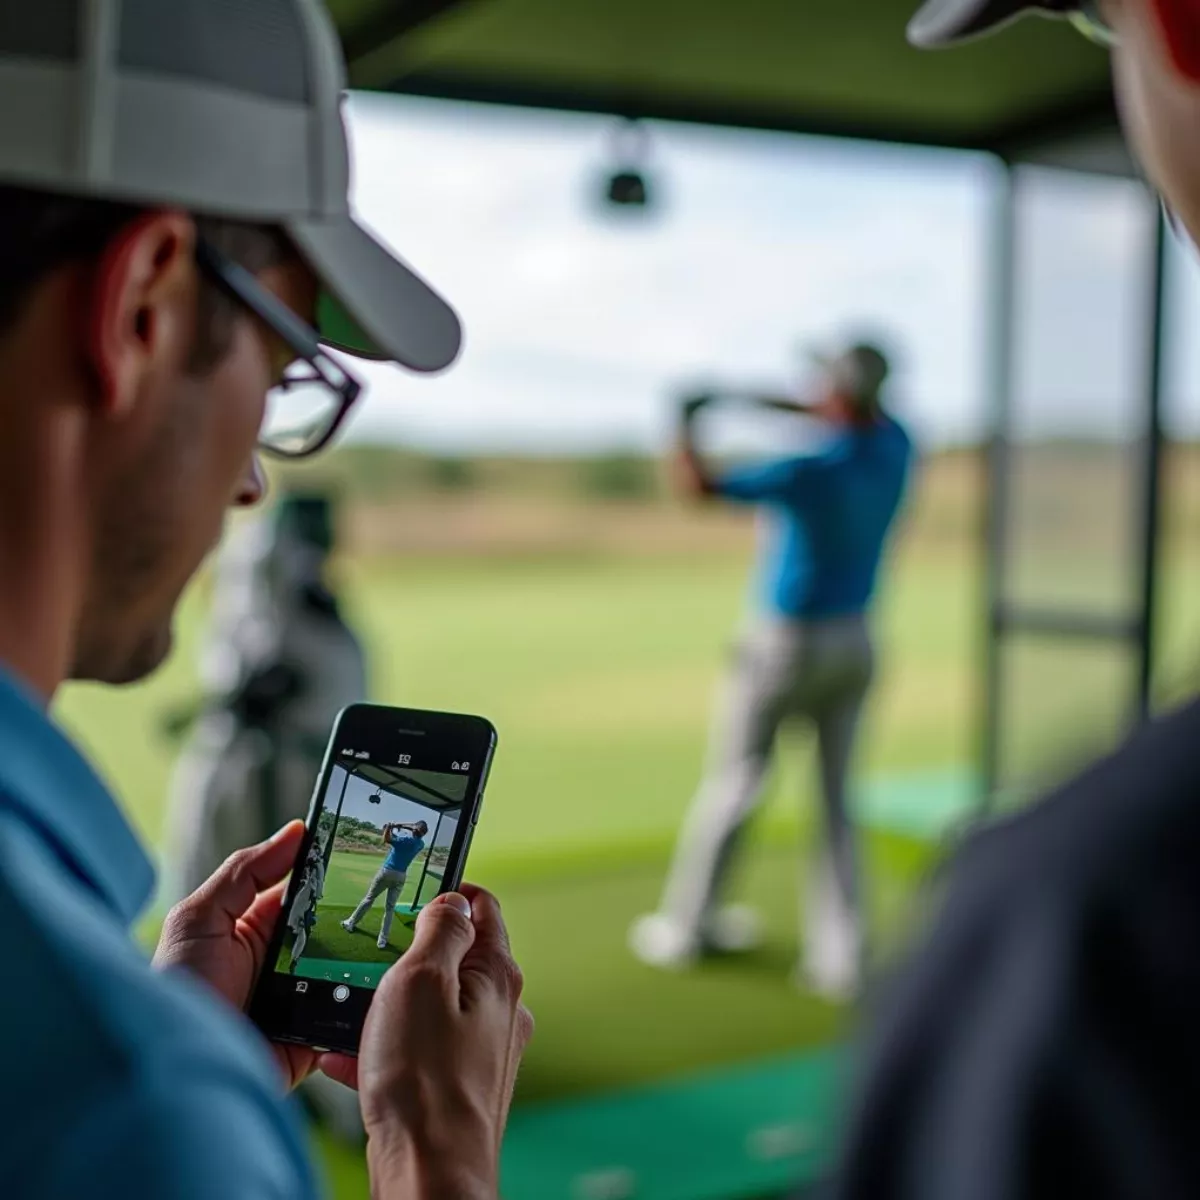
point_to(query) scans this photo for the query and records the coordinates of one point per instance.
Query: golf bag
(303, 915)
(277, 665)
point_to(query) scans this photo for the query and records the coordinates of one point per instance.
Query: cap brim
(944, 22)
(373, 305)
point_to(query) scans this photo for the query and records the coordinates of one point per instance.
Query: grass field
(346, 882)
(350, 873)
(354, 958)
(599, 674)
(599, 668)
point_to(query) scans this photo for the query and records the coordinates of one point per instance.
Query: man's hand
(221, 932)
(690, 408)
(689, 472)
(439, 1055)
(786, 404)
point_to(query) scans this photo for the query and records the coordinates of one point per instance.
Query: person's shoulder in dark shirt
(1043, 1042)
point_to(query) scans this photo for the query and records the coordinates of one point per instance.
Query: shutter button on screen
(341, 993)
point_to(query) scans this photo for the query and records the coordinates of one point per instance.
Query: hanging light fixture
(628, 186)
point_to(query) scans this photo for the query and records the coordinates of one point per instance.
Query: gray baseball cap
(860, 371)
(943, 22)
(226, 108)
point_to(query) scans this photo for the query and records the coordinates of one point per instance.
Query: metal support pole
(1002, 275)
(429, 853)
(1152, 473)
(337, 817)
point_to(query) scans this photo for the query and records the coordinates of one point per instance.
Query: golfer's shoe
(837, 982)
(382, 943)
(347, 927)
(833, 953)
(661, 942)
(733, 929)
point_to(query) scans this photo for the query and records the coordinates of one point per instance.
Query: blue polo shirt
(405, 846)
(828, 519)
(118, 1080)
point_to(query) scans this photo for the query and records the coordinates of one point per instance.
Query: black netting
(46, 29)
(252, 45)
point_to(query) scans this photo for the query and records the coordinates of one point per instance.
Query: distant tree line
(376, 473)
(353, 833)
(360, 836)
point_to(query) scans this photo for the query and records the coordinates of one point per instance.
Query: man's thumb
(234, 886)
(444, 930)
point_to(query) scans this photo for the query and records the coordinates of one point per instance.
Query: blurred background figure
(807, 654)
(277, 664)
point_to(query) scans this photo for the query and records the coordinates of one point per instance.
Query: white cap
(226, 108)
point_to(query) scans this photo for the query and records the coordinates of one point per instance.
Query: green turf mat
(329, 940)
(606, 1022)
(337, 971)
(734, 1133)
(922, 804)
(746, 1131)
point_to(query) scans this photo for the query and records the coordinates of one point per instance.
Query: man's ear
(1179, 24)
(138, 304)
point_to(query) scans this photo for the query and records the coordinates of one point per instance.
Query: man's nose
(254, 486)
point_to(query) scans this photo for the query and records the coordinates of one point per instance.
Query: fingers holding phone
(489, 966)
(365, 960)
(390, 828)
(441, 1047)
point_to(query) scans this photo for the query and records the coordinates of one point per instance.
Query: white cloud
(582, 324)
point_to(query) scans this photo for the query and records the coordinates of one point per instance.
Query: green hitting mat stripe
(338, 971)
(925, 805)
(738, 1132)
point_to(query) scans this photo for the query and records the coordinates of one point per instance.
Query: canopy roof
(430, 788)
(839, 67)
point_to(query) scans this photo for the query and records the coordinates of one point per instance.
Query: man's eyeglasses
(308, 406)
(1086, 16)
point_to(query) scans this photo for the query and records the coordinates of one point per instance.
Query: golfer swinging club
(406, 842)
(807, 655)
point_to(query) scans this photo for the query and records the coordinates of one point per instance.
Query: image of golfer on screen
(406, 842)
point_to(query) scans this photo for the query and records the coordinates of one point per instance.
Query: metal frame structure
(1052, 130)
(1006, 620)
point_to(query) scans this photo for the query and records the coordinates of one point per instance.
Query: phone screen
(388, 831)
(384, 836)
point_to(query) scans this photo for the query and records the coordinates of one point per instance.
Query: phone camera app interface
(382, 844)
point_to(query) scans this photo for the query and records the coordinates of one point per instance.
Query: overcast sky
(584, 323)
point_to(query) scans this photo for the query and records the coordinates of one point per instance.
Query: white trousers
(817, 672)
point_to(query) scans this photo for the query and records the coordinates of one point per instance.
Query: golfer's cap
(943, 22)
(860, 370)
(226, 108)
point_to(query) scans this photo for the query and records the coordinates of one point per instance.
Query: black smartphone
(390, 826)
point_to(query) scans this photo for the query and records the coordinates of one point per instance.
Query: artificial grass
(606, 1021)
(599, 675)
(350, 874)
(606, 1024)
(328, 941)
